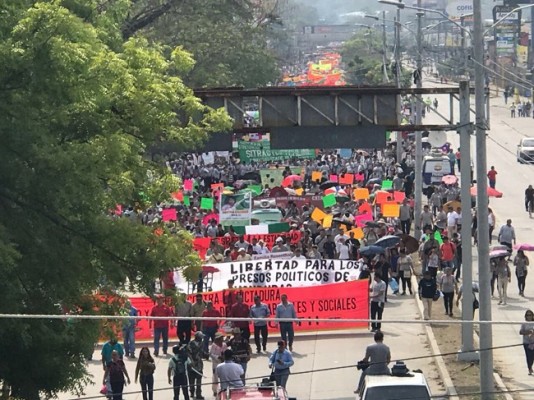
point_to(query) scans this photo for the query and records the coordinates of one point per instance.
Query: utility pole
(486, 339)
(398, 82)
(464, 69)
(419, 134)
(384, 47)
(466, 352)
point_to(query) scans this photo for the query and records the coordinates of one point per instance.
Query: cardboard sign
(347, 179)
(327, 221)
(316, 176)
(390, 210)
(206, 203)
(178, 195)
(188, 185)
(318, 215)
(169, 214)
(382, 197)
(361, 194)
(399, 196)
(333, 178)
(329, 200)
(358, 233)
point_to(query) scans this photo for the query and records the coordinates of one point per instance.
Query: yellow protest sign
(316, 176)
(358, 233)
(327, 221)
(318, 215)
(299, 191)
(361, 194)
(390, 210)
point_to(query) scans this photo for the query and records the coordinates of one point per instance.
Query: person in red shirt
(161, 326)
(210, 327)
(448, 251)
(492, 177)
(241, 310)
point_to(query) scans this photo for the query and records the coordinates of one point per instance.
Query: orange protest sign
(361, 194)
(217, 186)
(299, 191)
(347, 179)
(358, 233)
(381, 197)
(327, 220)
(390, 210)
(365, 208)
(399, 196)
(316, 176)
(318, 215)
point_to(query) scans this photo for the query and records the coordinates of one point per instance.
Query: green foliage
(363, 57)
(78, 109)
(229, 44)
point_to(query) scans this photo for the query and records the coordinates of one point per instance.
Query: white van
(390, 387)
(435, 167)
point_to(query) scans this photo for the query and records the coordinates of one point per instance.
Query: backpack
(179, 366)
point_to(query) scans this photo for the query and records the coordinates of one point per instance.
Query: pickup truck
(525, 151)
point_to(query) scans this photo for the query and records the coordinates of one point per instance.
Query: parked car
(525, 151)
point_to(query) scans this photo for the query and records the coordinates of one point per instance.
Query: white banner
(282, 254)
(277, 273)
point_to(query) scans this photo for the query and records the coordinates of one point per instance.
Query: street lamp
(384, 44)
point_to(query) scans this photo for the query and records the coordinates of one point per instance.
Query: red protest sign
(169, 214)
(347, 300)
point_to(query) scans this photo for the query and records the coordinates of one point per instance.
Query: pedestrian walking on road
(177, 371)
(512, 110)
(145, 370)
(217, 350)
(115, 373)
(210, 326)
(377, 298)
(507, 235)
(280, 362)
(128, 329)
(447, 285)
(521, 263)
(183, 327)
(260, 310)
(492, 177)
(286, 310)
(504, 277)
(527, 330)
(427, 291)
(529, 200)
(196, 366)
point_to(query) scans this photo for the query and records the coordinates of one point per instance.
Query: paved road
(512, 180)
(317, 351)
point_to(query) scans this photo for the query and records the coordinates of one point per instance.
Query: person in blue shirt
(128, 329)
(280, 361)
(108, 348)
(286, 310)
(260, 310)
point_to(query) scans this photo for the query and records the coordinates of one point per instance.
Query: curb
(442, 368)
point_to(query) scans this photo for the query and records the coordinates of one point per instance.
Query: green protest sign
(261, 151)
(206, 203)
(329, 200)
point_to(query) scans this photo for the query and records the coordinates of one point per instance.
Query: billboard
(457, 8)
(507, 30)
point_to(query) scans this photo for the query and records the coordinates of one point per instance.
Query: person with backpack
(177, 371)
(115, 373)
(196, 366)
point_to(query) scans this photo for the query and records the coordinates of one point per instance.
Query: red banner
(348, 300)
(201, 245)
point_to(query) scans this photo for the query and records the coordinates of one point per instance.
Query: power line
(330, 369)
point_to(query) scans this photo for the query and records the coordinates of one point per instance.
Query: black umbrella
(371, 250)
(342, 221)
(409, 243)
(327, 185)
(388, 241)
(253, 176)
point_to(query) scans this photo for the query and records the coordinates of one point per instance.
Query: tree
(229, 39)
(78, 108)
(363, 56)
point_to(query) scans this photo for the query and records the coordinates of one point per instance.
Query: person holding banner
(286, 310)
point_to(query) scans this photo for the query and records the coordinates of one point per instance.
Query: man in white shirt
(377, 296)
(452, 220)
(229, 372)
(297, 255)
